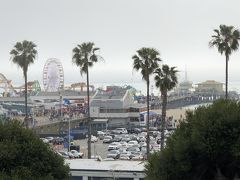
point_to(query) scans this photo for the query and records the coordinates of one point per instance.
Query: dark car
(58, 140)
(134, 130)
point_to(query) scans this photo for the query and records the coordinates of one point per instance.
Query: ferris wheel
(53, 76)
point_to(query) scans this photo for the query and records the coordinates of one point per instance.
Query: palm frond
(84, 56)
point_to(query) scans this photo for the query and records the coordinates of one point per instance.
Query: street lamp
(69, 134)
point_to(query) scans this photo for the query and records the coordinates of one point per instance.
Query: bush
(24, 156)
(206, 146)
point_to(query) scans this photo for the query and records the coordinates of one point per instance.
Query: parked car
(107, 139)
(45, 140)
(94, 139)
(136, 156)
(133, 149)
(70, 155)
(123, 144)
(49, 139)
(141, 144)
(126, 138)
(125, 156)
(77, 154)
(134, 130)
(134, 137)
(120, 131)
(101, 135)
(58, 140)
(113, 154)
(66, 154)
(113, 146)
(63, 154)
(133, 143)
(117, 139)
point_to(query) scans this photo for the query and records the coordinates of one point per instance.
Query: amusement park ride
(53, 81)
(8, 90)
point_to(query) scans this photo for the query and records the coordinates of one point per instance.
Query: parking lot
(119, 145)
(98, 148)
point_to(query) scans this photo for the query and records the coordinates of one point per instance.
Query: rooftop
(111, 94)
(104, 165)
(65, 93)
(210, 82)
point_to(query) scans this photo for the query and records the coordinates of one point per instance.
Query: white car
(100, 135)
(45, 140)
(113, 154)
(113, 146)
(133, 144)
(120, 131)
(76, 154)
(137, 156)
(123, 145)
(107, 139)
(94, 138)
(125, 156)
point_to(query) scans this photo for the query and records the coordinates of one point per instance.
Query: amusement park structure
(80, 85)
(53, 76)
(6, 86)
(8, 90)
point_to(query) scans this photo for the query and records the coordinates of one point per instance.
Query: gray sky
(179, 29)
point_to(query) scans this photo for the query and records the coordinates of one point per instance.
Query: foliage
(146, 60)
(23, 54)
(226, 40)
(206, 146)
(84, 56)
(24, 156)
(166, 80)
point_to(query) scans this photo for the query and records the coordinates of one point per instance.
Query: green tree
(226, 40)
(84, 57)
(23, 155)
(166, 80)
(23, 54)
(146, 60)
(206, 146)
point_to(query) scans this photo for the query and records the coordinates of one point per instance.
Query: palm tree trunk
(148, 147)
(89, 118)
(164, 109)
(226, 84)
(26, 110)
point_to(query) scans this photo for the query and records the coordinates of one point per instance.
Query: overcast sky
(179, 29)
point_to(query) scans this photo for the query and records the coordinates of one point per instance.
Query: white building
(116, 105)
(81, 169)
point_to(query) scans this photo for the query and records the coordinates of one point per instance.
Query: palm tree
(146, 60)
(166, 80)
(226, 40)
(23, 54)
(84, 56)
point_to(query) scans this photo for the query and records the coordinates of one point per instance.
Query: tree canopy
(23, 155)
(146, 60)
(206, 146)
(226, 40)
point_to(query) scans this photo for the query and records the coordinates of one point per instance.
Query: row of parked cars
(71, 154)
(126, 146)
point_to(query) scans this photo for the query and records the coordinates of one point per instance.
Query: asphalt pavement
(97, 148)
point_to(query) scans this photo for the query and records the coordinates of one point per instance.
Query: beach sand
(178, 113)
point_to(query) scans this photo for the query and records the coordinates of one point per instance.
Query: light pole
(69, 143)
